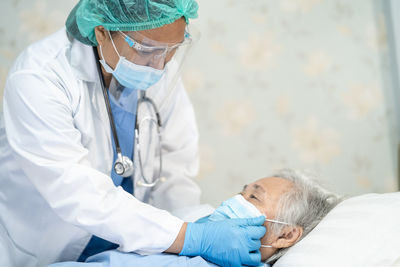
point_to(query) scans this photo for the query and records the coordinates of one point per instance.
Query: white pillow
(361, 231)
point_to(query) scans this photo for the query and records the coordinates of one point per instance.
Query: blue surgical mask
(238, 207)
(131, 75)
(235, 207)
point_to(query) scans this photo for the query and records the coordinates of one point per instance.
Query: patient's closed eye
(253, 196)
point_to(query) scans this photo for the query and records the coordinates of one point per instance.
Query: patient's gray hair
(304, 206)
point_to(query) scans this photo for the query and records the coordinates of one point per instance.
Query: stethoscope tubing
(107, 101)
(143, 98)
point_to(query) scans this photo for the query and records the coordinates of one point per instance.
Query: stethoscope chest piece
(123, 166)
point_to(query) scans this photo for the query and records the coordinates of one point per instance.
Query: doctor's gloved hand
(230, 242)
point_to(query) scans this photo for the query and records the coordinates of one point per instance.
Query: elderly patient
(292, 203)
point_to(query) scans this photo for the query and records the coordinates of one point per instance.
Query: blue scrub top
(124, 119)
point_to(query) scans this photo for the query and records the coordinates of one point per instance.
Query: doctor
(98, 142)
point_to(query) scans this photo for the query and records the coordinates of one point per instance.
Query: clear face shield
(147, 52)
(158, 65)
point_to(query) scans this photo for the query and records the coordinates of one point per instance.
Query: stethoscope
(123, 165)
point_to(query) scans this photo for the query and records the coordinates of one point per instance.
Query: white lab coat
(56, 158)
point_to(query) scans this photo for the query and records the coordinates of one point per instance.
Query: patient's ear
(288, 237)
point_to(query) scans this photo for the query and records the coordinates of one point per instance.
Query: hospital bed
(362, 231)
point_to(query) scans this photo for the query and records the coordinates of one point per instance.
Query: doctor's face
(168, 34)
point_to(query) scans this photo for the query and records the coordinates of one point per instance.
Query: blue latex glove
(230, 242)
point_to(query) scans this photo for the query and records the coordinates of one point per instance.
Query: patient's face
(265, 194)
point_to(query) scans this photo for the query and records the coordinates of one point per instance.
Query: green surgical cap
(125, 15)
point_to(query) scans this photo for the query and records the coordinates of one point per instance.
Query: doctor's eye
(145, 53)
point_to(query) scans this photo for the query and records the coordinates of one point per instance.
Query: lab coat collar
(84, 67)
(83, 61)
